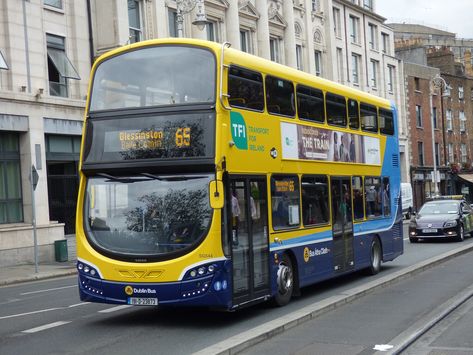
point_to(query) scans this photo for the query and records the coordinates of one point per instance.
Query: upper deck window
(280, 96)
(245, 88)
(154, 76)
(386, 122)
(310, 104)
(336, 110)
(369, 118)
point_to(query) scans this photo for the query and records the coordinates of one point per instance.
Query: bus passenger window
(353, 114)
(336, 110)
(386, 122)
(280, 96)
(285, 202)
(373, 197)
(315, 208)
(245, 88)
(358, 204)
(310, 104)
(369, 118)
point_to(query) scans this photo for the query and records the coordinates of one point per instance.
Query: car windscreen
(439, 208)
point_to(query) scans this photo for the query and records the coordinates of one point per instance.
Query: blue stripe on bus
(305, 240)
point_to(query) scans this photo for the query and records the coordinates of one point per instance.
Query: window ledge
(53, 9)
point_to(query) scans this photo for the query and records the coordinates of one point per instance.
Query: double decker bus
(212, 177)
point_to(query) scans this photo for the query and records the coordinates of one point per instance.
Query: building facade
(44, 72)
(48, 46)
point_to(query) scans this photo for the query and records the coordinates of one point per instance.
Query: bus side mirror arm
(222, 67)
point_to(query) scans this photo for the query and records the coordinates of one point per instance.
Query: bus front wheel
(285, 280)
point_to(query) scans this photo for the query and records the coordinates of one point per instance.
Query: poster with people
(313, 143)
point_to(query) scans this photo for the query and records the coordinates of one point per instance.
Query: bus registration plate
(142, 301)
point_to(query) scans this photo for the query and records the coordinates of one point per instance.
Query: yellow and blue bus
(212, 177)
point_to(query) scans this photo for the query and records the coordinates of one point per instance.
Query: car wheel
(461, 234)
(285, 280)
(376, 256)
(413, 239)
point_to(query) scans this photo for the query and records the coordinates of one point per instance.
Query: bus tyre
(285, 279)
(375, 257)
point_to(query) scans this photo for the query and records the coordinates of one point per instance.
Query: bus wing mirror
(216, 194)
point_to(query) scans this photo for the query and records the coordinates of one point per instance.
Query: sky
(452, 16)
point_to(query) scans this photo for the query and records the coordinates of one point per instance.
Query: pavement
(23, 273)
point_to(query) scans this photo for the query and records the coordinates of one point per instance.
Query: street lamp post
(437, 82)
(185, 6)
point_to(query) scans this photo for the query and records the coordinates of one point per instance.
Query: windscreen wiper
(125, 180)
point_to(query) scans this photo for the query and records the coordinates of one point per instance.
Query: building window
(419, 116)
(336, 22)
(11, 210)
(449, 120)
(390, 81)
(53, 3)
(374, 73)
(354, 26)
(437, 154)
(460, 93)
(420, 152)
(450, 153)
(462, 121)
(134, 21)
(385, 38)
(448, 90)
(245, 44)
(60, 67)
(463, 153)
(172, 17)
(212, 32)
(299, 57)
(3, 62)
(434, 117)
(315, 5)
(416, 84)
(274, 49)
(318, 63)
(355, 70)
(368, 4)
(340, 64)
(373, 33)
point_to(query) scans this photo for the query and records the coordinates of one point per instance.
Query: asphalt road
(47, 317)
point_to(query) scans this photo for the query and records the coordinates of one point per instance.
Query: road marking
(47, 290)
(46, 326)
(78, 304)
(43, 310)
(114, 309)
(28, 313)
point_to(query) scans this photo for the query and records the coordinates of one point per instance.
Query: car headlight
(450, 224)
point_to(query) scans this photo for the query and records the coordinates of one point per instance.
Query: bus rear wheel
(285, 279)
(376, 256)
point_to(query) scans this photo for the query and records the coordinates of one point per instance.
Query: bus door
(249, 238)
(342, 224)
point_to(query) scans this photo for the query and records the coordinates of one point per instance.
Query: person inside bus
(358, 204)
(235, 217)
(371, 196)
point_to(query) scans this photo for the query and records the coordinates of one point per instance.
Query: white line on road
(78, 304)
(46, 326)
(28, 313)
(114, 309)
(47, 290)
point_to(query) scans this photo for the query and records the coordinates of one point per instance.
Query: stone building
(48, 46)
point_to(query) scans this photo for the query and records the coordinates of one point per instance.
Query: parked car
(442, 217)
(407, 199)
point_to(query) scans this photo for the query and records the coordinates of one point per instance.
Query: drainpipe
(27, 51)
(91, 37)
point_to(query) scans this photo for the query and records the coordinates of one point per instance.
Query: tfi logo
(238, 129)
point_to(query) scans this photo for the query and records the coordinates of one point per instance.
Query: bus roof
(265, 66)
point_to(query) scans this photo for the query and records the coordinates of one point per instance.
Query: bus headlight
(87, 270)
(204, 270)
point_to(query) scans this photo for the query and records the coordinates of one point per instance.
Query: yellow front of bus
(146, 231)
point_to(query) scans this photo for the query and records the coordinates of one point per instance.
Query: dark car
(445, 217)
